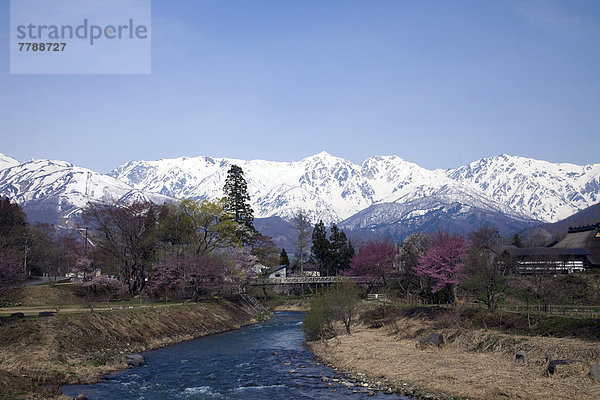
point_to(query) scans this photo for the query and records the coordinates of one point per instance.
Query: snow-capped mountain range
(333, 189)
(326, 187)
(542, 190)
(55, 191)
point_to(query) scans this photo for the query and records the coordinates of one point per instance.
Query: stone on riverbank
(595, 371)
(135, 360)
(551, 356)
(435, 339)
(564, 366)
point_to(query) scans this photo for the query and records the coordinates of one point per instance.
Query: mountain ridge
(513, 191)
(55, 191)
(333, 189)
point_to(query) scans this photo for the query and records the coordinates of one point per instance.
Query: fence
(553, 309)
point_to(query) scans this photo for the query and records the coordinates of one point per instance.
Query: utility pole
(26, 240)
(86, 253)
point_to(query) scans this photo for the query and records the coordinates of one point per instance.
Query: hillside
(428, 215)
(7, 162)
(547, 233)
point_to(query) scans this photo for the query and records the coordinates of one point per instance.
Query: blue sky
(439, 83)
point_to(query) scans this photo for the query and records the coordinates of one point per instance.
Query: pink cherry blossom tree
(374, 260)
(442, 261)
(167, 281)
(239, 267)
(105, 287)
(205, 276)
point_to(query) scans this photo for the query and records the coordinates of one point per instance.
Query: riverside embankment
(39, 354)
(474, 363)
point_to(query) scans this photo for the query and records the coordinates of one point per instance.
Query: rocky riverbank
(472, 364)
(39, 354)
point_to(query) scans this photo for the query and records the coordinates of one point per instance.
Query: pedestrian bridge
(309, 280)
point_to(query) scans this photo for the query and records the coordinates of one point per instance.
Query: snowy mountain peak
(322, 154)
(7, 162)
(538, 189)
(52, 190)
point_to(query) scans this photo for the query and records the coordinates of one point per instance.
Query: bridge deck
(306, 280)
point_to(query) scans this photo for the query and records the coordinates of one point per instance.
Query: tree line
(189, 249)
(33, 249)
(201, 248)
(430, 268)
(434, 267)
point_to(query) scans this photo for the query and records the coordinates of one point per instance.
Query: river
(261, 361)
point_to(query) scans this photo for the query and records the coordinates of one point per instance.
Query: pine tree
(349, 254)
(237, 202)
(516, 241)
(283, 258)
(320, 248)
(13, 223)
(341, 250)
(14, 237)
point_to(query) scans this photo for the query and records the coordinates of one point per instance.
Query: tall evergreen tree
(237, 202)
(350, 253)
(320, 248)
(283, 258)
(13, 227)
(516, 241)
(341, 250)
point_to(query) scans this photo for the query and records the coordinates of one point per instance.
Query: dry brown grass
(287, 304)
(44, 295)
(458, 370)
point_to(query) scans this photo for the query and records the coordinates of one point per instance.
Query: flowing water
(261, 361)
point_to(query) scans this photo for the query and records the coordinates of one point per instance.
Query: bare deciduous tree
(304, 227)
(127, 234)
(486, 266)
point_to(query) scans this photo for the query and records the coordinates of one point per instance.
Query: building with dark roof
(578, 251)
(583, 237)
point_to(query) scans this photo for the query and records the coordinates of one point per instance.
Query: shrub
(339, 303)
(105, 287)
(317, 323)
